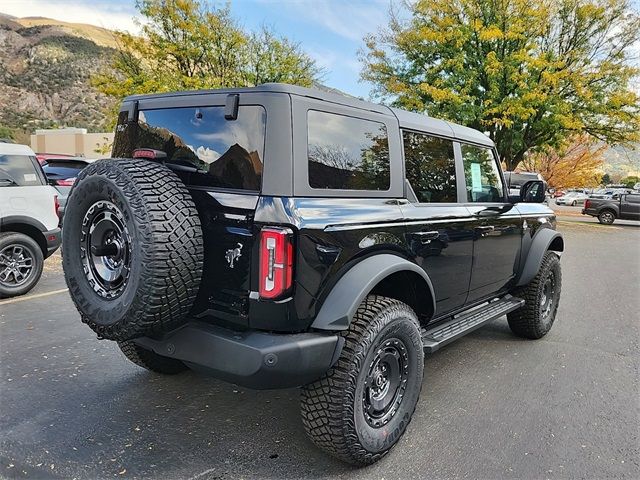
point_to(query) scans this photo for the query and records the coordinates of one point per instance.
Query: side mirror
(533, 191)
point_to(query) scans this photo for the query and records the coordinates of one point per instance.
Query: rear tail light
(587, 204)
(56, 205)
(67, 182)
(276, 262)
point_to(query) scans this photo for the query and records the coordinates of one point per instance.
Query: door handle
(426, 237)
(485, 229)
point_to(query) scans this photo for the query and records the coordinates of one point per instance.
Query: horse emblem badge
(233, 254)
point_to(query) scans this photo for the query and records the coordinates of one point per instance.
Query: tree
(605, 180)
(530, 73)
(188, 44)
(576, 163)
(630, 181)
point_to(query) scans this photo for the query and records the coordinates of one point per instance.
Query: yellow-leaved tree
(576, 163)
(530, 73)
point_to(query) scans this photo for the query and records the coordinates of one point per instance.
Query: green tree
(606, 179)
(189, 44)
(630, 181)
(530, 73)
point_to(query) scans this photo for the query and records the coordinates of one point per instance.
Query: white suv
(29, 230)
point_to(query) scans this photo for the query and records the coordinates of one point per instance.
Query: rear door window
(206, 148)
(20, 170)
(431, 167)
(347, 153)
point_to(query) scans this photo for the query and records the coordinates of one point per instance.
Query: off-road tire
(333, 406)
(606, 217)
(165, 252)
(151, 360)
(8, 239)
(532, 320)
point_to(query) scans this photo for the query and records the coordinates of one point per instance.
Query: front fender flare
(341, 304)
(539, 246)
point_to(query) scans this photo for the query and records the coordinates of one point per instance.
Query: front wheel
(542, 297)
(573, 204)
(21, 263)
(359, 410)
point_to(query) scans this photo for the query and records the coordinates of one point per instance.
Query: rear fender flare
(341, 304)
(546, 239)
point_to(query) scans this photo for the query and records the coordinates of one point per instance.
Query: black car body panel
(441, 257)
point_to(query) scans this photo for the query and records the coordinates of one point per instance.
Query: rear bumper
(253, 359)
(590, 211)
(53, 239)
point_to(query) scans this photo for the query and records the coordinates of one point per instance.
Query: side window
(347, 153)
(482, 175)
(431, 167)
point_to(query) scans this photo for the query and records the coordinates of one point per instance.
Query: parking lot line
(39, 295)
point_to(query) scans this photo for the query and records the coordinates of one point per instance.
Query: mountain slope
(45, 67)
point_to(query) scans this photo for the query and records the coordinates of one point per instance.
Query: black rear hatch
(220, 160)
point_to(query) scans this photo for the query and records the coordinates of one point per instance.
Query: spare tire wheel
(133, 251)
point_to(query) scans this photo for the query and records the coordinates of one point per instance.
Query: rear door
(439, 233)
(220, 159)
(496, 223)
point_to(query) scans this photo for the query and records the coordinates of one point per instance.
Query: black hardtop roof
(407, 120)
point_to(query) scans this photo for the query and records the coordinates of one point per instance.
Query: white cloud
(206, 154)
(100, 13)
(351, 20)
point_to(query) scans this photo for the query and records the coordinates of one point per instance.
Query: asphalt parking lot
(493, 406)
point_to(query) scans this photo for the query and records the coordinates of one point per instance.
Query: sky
(330, 31)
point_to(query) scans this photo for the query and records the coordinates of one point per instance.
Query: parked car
(515, 180)
(572, 199)
(279, 236)
(559, 193)
(625, 207)
(29, 230)
(61, 173)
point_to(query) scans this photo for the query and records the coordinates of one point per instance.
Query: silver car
(572, 199)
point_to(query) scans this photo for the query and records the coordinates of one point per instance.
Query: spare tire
(133, 250)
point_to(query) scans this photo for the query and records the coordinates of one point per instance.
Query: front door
(497, 224)
(437, 226)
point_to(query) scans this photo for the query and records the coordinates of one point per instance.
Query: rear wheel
(606, 217)
(151, 360)
(21, 263)
(542, 297)
(359, 410)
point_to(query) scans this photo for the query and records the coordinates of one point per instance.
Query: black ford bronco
(278, 236)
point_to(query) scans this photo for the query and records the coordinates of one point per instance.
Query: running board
(465, 322)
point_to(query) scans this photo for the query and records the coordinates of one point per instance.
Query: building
(72, 141)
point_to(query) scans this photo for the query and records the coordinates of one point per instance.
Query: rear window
(207, 149)
(519, 179)
(62, 168)
(20, 170)
(347, 153)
